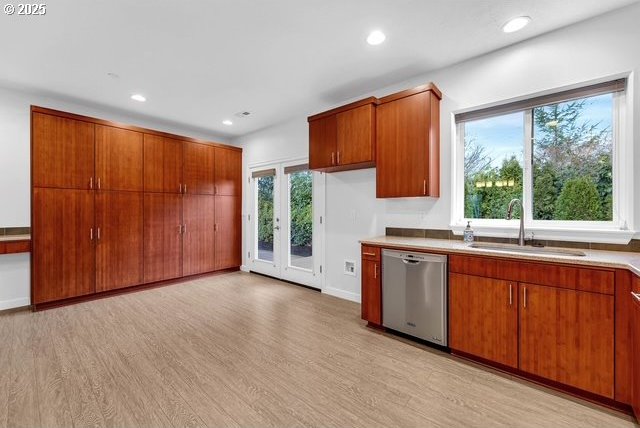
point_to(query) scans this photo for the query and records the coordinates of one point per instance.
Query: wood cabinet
(162, 164)
(635, 339)
(63, 254)
(228, 232)
(162, 236)
(483, 318)
(119, 249)
(344, 138)
(408, 143)
(567, 336)
(118, 159)
(199, 165)
(62, 152)
(228, 172)
(199, 234)
(371, 292)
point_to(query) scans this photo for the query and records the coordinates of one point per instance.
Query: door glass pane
(301, 220)
(265, 217)
(572, 166)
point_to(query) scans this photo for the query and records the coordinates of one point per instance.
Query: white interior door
(286, 222)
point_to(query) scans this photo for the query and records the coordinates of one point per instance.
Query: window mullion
(527, 174)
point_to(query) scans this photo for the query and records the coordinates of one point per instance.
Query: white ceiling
(201, 61)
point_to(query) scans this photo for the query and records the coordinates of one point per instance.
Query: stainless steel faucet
(509, 216)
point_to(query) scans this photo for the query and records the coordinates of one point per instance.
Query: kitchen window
(562, 155)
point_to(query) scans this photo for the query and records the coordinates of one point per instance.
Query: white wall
(15, 173)
(594, 49)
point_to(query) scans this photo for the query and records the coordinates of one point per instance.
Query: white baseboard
(342, 294)
(14, 303)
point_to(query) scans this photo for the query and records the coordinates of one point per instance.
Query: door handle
(338, 156)
(424, 187)
(276, 227)
(525, 297)
(98, 187)
(333, 158)
(180, 188)
(185, 189)
(98, 234)
(91, 183)
(510, 294)
(91, 235)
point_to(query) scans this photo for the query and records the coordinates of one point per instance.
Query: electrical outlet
(350, 267)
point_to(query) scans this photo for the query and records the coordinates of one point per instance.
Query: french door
(285, 224)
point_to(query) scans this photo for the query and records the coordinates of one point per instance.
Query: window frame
(619, 230)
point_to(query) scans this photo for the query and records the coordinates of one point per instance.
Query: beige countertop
(5, 238)
(610, 259)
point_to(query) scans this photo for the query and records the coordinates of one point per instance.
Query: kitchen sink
(513, 248)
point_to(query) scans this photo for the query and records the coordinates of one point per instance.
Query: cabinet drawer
(370, 253)
(553, 275)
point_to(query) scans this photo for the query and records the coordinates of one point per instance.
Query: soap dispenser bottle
(468, 233)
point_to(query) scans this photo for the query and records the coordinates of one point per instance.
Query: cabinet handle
(185, 189)
(636, 296)
(180, 188)
(510, 294)
(375, 271)
(424, 187)
(98, 234)
(525, 297)
(215, 190)
(179, 229)
(215, 227)
(98, 183)
(369, 254)
(338, 157)
(91, 183)
(333, 158)
(91, 234)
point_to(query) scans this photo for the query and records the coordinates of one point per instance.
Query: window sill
(602, 236)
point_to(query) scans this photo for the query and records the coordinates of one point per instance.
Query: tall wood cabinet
(635, 348)
(116, 206)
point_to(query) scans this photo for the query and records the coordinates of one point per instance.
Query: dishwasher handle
(414, 258)
(411, 262)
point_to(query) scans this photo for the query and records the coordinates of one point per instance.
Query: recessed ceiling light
(139, 97)
(227, 122)
(516, 24)
(376, 37)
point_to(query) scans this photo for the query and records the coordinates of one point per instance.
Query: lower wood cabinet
(199, 234)
(483, 318)
(635, 338)
(162, 236)
(371, 292)
(63, 253)
(119, 235)
(228, 232)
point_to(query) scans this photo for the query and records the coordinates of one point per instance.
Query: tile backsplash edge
(15, 231)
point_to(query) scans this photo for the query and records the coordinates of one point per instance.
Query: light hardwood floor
(244, 350)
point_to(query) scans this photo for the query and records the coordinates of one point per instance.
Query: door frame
(280, 266)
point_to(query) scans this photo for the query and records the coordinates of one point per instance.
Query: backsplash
(15, 231)
(633, 245)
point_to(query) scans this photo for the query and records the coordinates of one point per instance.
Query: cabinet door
(402, 139)
(371, 292)
(635, 339)
(356, 135)
(228, 172)
(118, 159)
(199, 166)
(322, 142)
(62, 152)
(63, 245)
(120, 234)
(567, 336)
(483, 318)
(228, 232)
(162, 236)
(162, 164)
(199, 236)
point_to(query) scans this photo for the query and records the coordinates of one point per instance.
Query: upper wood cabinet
(228, 172)
(63, 244)
(408, 143)
(62, 152)
(199, 165)
(483, 318)
(162, 164)
(567, 336)
(118, 159)
(344, 138)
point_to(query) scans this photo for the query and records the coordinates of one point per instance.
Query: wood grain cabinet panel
(356, 136)
(567, 336)
(483, 318)
(322, 143)
(119, 154)
(228, 172)
(162, 164)
(635, 338)
(408, 144)
(199, 165)
(62, 152)
(119, 249)
(162, 236)
(371, 292)
(199, 236)
(63, 244)
(228, 232)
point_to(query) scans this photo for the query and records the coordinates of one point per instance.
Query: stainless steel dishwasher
(414, 294)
